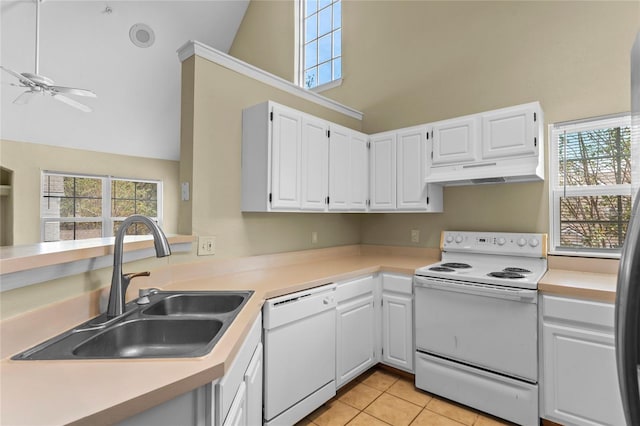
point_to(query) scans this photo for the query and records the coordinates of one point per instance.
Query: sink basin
(194, 304)
(164, 324)
(143, 338)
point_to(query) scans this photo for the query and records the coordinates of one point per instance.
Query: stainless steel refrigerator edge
(628, 290)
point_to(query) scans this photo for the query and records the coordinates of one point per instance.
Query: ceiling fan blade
(71, 102)
(72, 91)
(25, 97)
(24, 80)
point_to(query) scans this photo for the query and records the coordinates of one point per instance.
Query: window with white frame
(321, 42)
(590, 185)
(76, 207)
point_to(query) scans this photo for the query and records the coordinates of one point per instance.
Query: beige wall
(219, 96)
(412, 62)
(27, 160)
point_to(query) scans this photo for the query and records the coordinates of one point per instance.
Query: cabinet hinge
(271, 116)
(368, 202)
(382, 351)
(328, 133)
(432, 134)
(270, 197)
(368, 145)
(427, 135)
(427, 200)
(535, 141)
(432, 155)
(535, 117)
(327, 199)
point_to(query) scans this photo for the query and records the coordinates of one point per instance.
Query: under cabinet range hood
(499, 146)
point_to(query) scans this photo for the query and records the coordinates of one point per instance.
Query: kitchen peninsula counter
(107, 391)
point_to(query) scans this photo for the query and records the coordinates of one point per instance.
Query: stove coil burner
(441, 269)
(456, 265)
(508, 275)
(517, 270)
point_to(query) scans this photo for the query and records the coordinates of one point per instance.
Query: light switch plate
(206, 246)
(415, 235)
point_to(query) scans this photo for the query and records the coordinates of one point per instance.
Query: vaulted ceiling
(86, 44)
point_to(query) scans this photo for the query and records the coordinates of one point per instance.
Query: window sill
(327, 86)
(590, 254)
(30, 264)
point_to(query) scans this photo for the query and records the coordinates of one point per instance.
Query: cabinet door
(253, 380)
(509, 132)
(339, 173)
(355, 343)
(397, 331)
(238, 412)
(285, 158)
(411, 165)
(580, 383)
(315, 163)
(358, 171)
(455, 141)
(383, 171)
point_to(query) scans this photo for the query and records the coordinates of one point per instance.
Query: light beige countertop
(106, 391)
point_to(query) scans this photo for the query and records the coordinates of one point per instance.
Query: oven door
(491, 327)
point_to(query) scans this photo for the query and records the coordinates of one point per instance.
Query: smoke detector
(142, 35)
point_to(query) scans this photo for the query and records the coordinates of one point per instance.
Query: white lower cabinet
(188, 409)
(397, 321)
(579, 377)
(355, 328)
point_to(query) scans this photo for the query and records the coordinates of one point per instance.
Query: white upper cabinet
(348, 169)
(411, 151)
(504, 145)
(286, 152)
(455, 141)
(315, 163)
(383, 171)
(509, 132)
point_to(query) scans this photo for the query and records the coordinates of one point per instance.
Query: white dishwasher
(299, 354)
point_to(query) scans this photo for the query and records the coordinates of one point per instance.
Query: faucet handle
(133, 275)
(143, 295)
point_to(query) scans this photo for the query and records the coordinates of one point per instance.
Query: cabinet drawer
(578, 310)
(349, 289)
(228, 386)
(397, 283)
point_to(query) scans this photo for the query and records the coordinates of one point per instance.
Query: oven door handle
(506, 293)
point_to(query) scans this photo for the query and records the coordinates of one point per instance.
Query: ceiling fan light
(142, 35)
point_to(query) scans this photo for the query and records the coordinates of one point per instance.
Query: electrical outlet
(314, 237)
(415, 235)
(206, 246)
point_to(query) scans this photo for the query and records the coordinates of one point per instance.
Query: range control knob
(501, 241)
(449, 238)
(534, 242)
(458, 239)
(522, 242)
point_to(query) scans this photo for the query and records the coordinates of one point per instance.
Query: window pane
(63, 231)
(324, 73)
(122, 189)
(311, 78)
(337, 15)
(88, 207)
(311, 6)
(146, 191)
(324, 21)
(595, 157)
(123, 208)
(310, 52)
(323, 3)
(147, 208)
(311, 28)
(337, 43)
(88, 187)
(594, 221)
(324, 48)
(133, 229)
(337, 68)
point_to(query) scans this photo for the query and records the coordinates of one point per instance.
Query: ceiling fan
(39, 84)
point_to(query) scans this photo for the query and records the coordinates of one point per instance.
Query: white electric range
(476, 322)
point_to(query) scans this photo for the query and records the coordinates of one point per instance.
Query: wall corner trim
(193, 47)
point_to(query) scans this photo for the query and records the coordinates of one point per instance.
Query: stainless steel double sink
(160, 325)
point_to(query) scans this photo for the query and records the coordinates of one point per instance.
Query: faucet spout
(120, 281)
